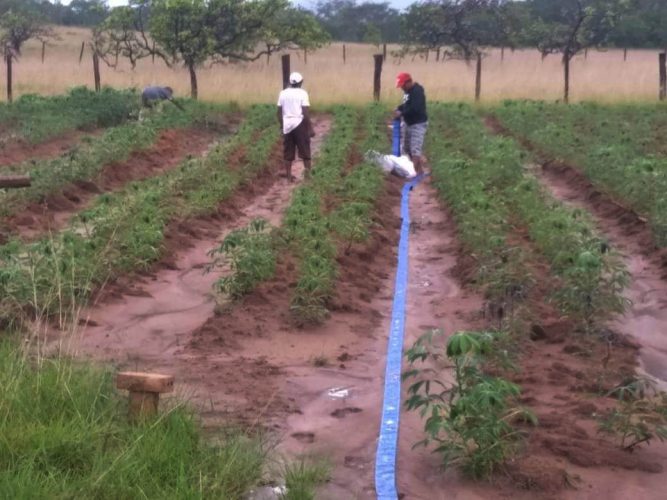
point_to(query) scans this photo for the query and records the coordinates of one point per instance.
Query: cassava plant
(250, 254)
(470, 421)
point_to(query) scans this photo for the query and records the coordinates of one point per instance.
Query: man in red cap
(413, 112)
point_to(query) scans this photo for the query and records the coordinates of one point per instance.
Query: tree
(16, 28)
(464, 27)
(568, 27)
(292, 29)
(347, 20)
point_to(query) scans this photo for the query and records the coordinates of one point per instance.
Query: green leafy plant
(251, 256)
(470, 421)
(640, 417)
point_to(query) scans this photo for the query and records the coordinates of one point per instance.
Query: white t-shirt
(292, 100)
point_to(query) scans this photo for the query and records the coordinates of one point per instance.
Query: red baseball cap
(402, 78)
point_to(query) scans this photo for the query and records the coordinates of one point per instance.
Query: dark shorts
(297, 139)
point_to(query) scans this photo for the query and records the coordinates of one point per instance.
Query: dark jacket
(413, 108)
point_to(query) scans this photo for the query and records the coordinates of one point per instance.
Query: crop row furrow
(124, 231)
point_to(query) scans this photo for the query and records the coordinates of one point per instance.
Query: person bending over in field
(294, 118)
(154, 95)
(413, 112)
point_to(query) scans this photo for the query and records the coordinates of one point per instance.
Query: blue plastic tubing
(385, 458)
(396, 138)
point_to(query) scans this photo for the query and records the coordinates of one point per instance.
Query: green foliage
(251, 256)
(640, 417)
(469, 421)
(124, 231)
(484, 180)
(65, 435)
(621, 148)
(37, 118)
(303, 476)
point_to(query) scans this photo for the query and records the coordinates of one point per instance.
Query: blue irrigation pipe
(396, 137)
(385, 458)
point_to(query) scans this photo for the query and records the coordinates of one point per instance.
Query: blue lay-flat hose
(396, 137)
(385, 458)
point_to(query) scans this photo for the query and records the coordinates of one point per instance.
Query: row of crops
(532, 256)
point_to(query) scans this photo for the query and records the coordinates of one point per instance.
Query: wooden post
(10, 96)
(566, 92)
(145, 390)
(15, 181)
(344, 54)
(478, 77)
(437, 54)
(426, 55)
(502, 53)
(305, 56)
(585, 53)
(285, 61)
(662, 59)
(384, 51)
(377, 76)
(625, 54)
(96, 71)
(43, 51)
(83, 47)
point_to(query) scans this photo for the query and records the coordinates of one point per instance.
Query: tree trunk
(478, 78)
(426, 55)
(502, 53)
(437, 54)
(625, 54)
(344, 54)
(96, 72)
(384, 51)
(566, 71)
(10, 96)
(194, 89)
(305, 56)
(83, 47)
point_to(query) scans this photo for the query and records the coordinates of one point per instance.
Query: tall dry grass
(603, 76)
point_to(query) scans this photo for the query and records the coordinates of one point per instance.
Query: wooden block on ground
(145, 382)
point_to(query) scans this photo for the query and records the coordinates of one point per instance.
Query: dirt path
(18, 151)
(149, 326)
(54, 213)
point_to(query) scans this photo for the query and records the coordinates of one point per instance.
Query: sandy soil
(55, 211)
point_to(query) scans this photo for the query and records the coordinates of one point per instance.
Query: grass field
(603, 76)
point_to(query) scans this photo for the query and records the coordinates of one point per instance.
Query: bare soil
(14, 151)
(56, 209)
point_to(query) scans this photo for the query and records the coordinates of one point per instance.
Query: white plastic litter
(398, 165)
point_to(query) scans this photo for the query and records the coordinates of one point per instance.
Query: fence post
(344, 54)
(625, 54)
(662, 59)
(502, 53)
(478, 77)
(437, 54)
(377, 76)
(96, 71)
(305, 56)
(83, 47)
(384, 51)
(43, 51)
(10, 96)
(285, 60)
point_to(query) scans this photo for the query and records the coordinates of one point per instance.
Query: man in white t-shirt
(293, 106)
